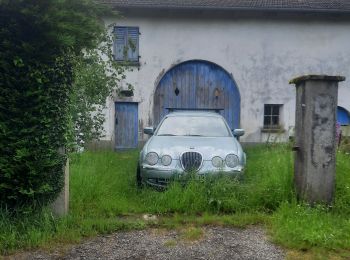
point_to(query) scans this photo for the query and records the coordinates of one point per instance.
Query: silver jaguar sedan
(195, 142)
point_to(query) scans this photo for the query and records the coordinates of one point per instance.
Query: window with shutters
(126, 44)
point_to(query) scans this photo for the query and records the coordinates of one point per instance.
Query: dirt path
(205, 243)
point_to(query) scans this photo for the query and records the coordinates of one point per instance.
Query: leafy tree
(95, 77)
(42, 46)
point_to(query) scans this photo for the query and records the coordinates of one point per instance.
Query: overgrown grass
(321, 228)
(104, 198)
(105, 183)
(345, 144)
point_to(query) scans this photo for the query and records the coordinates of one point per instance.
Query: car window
(193, 126)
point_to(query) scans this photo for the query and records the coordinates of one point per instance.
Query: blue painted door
(126, 125)
(343, 116)
(199, 85)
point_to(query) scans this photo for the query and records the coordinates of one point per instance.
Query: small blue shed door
(126, 125)
(343, 116)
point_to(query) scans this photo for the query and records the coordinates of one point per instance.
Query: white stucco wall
(261, 54)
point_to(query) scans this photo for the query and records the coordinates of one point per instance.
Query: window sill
(128, 63)
(278, 130)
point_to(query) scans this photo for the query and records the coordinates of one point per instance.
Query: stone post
(61, 204)
(315, 137)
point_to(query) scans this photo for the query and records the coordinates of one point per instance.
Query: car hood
(207, 146)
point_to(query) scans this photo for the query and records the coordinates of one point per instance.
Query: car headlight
(232, 160)
(152, 158)
(166, 160)
(217, 162)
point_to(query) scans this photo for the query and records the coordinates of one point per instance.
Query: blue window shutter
(126, 44)
(133, 42)
(120, 43)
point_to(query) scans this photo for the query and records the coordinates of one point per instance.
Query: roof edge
(245, 9)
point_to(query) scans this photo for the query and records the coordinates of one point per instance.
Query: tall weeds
(105, 198)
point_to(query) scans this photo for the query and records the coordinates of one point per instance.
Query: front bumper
(161, 176)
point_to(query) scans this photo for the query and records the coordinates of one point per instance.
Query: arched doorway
(201, 85)
(343, 116)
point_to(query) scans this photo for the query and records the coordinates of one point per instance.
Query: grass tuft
(192, 234)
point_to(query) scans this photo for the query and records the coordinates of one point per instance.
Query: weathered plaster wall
(261, 54)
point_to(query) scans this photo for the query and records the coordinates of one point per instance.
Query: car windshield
(193, 126)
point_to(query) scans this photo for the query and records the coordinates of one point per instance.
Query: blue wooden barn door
(126, 125)
(200, 85)
(343, 116)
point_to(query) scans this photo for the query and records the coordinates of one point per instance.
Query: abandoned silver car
(190, 141)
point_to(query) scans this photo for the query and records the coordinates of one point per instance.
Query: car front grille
(191, 161)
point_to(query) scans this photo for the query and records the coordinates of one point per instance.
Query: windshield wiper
(193, 135)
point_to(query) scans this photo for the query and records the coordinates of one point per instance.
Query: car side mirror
(238, 132)
(148, 130)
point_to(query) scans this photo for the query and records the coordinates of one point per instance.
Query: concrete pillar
(61, 204)
(315, 137)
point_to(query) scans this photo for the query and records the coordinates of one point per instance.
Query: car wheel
(138, 177)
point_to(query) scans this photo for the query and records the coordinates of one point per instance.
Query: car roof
(193, 113)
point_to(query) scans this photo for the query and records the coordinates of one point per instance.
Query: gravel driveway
(213, 243)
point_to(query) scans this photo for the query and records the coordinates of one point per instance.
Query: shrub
(39, 42)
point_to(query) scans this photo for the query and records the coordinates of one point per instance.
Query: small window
(272, 116)
(126, 44)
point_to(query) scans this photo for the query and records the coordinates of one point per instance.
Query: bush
(39, 41)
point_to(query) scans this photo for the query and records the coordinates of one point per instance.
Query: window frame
(127, 59)
(272, 112)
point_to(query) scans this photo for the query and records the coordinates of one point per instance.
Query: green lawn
(104, 198)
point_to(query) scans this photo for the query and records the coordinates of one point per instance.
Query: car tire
(138, 177)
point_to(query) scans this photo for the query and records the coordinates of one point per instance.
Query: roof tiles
(301, 5)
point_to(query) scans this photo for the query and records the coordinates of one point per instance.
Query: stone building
(232, 56)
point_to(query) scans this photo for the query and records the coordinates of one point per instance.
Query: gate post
(315, 141)
(61, 205)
